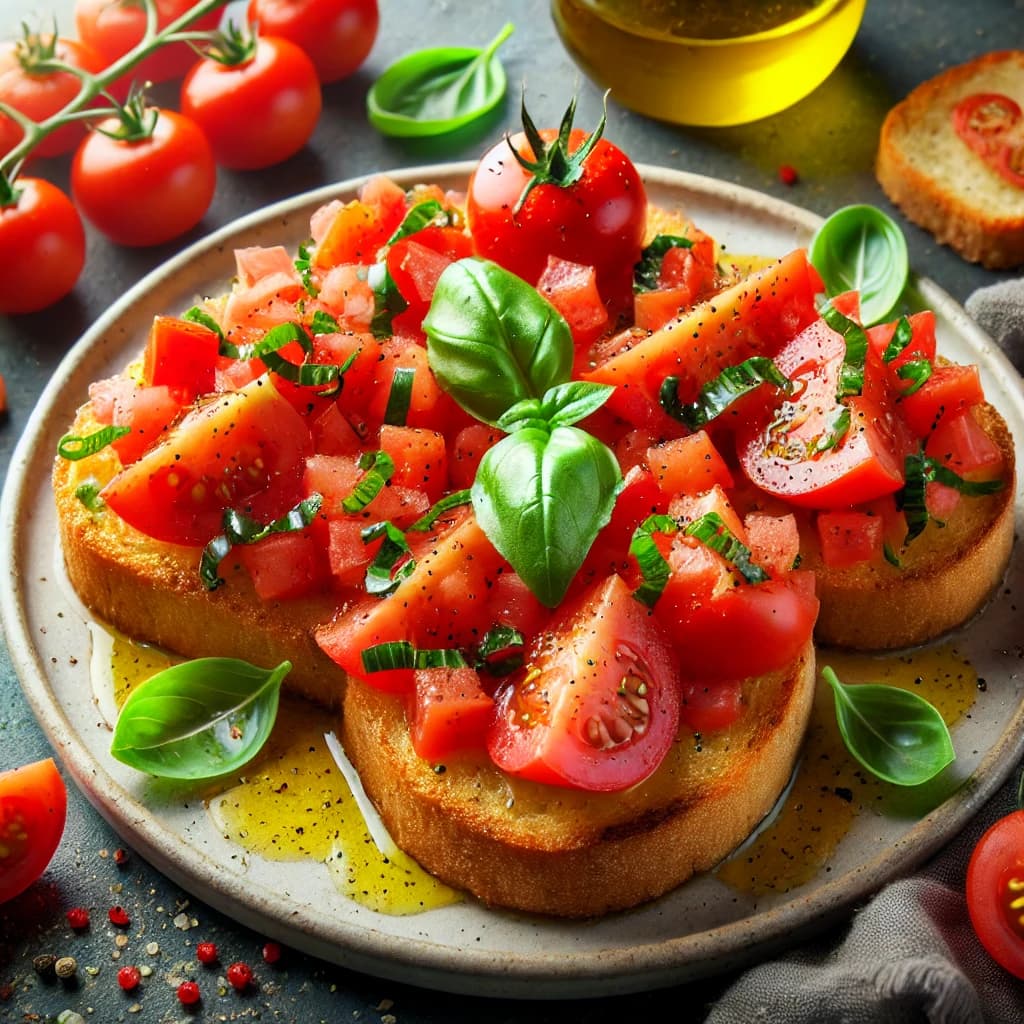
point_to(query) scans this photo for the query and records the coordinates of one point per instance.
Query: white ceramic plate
(700, 928)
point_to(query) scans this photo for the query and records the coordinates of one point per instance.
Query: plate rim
(604, 971)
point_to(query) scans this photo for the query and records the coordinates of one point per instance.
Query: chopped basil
(718, 394)
(454, 500)
(304, 266)
(400, 396)
(654, 569)
(88, 493)
(647, 270)
(400, 654)
(200, 316)
(711, 530)
(501, 650)
(901, 338)
(323, 323)
(917, 371)
(392, 563)
(851, 375)
(836, 432)
(378, 468)
(73, 447)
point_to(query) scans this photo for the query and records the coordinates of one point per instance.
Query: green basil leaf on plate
(895, 734)
(493, 340)
(862, 248)
(435, 91)
(199, 719)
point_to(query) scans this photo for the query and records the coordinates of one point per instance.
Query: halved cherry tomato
(597, 705)
(33, 807)
(244, 450)
(995, 892)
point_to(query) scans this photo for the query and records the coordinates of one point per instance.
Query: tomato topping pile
(309, 431)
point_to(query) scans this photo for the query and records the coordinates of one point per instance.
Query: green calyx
(232, 46)
(553, 164)
(136, 119)
(36, 52)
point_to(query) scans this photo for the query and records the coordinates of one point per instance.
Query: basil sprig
(543, 493)
(894, 733)
(861, 248)
(435, 91)
(719, 393)
(199, 719)
(493, 340)
(648, 268)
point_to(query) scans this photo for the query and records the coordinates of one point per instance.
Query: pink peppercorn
(206, 953)
(188, 993)
(788, 175)
(78, 918)
(129, 977)
(271, 952)
(119, 916)
(239, 976)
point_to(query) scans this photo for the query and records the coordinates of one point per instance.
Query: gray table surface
(830, 138)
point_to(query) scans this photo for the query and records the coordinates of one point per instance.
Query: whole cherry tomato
(995, 890)
(337, 34)
(42, 245)
(257, 99)
(40, 94)
(566, 194)
(33, 807)
(113, 27)
(150, 186)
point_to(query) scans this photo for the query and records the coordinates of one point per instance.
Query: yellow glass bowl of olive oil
(708, 62)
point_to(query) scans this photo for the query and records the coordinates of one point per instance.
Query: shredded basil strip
(304, 266)
(917, 371)
(392, 563)
(454, 500)
(851, 375)
(718, 394)
(324, 323)
(400, 396)
(837, 431)
(501, 650)
(400, 654)
(379, 468)
(711, 530)
(88, 493)
(200, 316)
(654, 569)
(648, 269)
(919, 470)
(73, 447)
(890, 556)
(902, 336)
(242, 529)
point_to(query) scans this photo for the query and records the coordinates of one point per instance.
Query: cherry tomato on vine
(566, 194)
(113, 27)
(337, 34)
(42, 245)
(33, 807)
(147, 190)
(995, 891)
(39, 95)
(256, 99)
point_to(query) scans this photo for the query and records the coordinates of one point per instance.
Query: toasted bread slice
(152, 591)
(938, 181)
(549, 850)
(944, 577)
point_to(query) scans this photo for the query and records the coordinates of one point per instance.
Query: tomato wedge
(244, 450)
(597, 706)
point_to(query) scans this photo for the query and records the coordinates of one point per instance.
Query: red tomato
(597, 220)
(178, 491)
(258, 112)
(597, 705)
(149, 191)
(995, 892)
(181, 354)
(709, 706)
(449, 712)
(42, 246)
(688, 465)
(849, 538)
(572, 289)
(33, 806)
(984, 119)
(283, 565)
(1009, 162)
(113, 27)
(337, 34)
(40, 96)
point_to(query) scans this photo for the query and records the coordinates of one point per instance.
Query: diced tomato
(345, 293)
(348, 556)
(631, 448)
(572, 289)
(470, 446)
(849, 538)
(256, 262)
(387, 199)
(754, 317)
(420, 457)
(353, 236)
(882, 382)
(181, 354)
(449, 712)
(774, 541)
(512, 603)
(940, 500)
(417, 261)
(597, 704)
(946, 393)
(333, 434)
(960, 443)
(654, 309)
(688, 465)
(335, 478)
(708, 706)
(149, 411)
(283, 565)
(246, 450)
(689, 508)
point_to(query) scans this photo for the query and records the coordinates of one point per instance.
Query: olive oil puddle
(830, 788)
(292, 801)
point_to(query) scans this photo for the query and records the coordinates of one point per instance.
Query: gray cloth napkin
(910, 954)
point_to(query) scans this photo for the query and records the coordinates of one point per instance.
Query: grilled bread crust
(935, 178)
(548, 850)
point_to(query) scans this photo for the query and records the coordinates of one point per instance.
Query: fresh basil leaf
(432, 92)
(718, 394)
(541, 496)
(72, 447)
(199, 719)
(917, 371)
(710, 529)
(392, 563)
(895, 734)
(561, 406)
(493, 340)
(861, 248)
(647, 270)
(851, 374)
(400, 654)
(654, 569)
